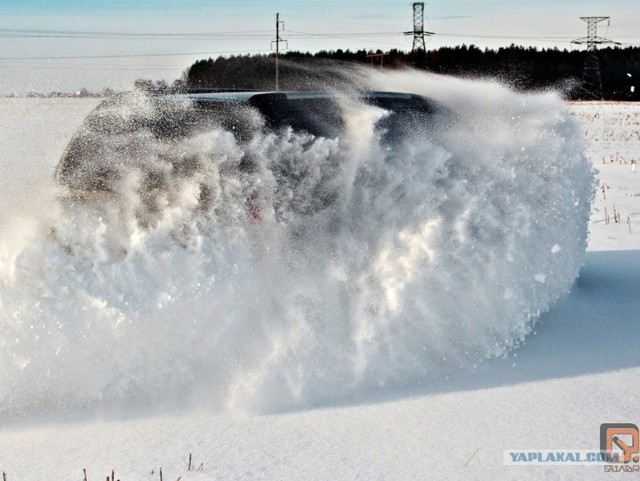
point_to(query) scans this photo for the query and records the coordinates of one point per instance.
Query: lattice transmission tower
(418, 28)
(591, 79)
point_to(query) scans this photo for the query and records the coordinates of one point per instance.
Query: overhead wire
(367, 37)
(251, 34)
(140, 55)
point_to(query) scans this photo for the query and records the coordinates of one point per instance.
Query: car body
(109, 137)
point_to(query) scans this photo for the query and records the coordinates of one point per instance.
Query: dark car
(111, 136)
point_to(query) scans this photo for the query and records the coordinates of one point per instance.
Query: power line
(83, 57)
(335, 34)
(83, 68)
(4, 33)
(28, 33)
(15, 33)
(253, 34)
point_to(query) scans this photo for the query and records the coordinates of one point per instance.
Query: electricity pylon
(418, 28)
(591, 79)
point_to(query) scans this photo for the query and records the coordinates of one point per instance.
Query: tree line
(523, 68)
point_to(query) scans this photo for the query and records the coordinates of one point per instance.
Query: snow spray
(358, 267)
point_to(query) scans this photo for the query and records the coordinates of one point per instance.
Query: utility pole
(591, 79)
(418, 28)
(277, 43)
(381, 56)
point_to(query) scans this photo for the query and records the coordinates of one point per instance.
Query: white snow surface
(415, 331)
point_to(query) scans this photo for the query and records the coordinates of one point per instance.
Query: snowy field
(612, 134)
(578, 368)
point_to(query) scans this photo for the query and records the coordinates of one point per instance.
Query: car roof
(248, 96)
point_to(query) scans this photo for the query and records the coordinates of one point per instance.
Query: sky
(66, 45)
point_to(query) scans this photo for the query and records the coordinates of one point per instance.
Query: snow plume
(274, 270)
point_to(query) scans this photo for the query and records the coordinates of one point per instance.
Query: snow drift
(431, 256)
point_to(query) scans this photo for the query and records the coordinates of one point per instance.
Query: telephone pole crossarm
(381, 56)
